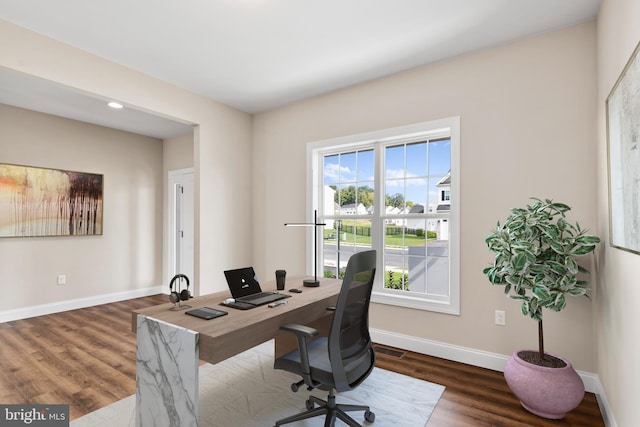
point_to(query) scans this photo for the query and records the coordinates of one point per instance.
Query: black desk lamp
(311, 283)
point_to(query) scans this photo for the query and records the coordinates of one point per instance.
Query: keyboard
(262, 298)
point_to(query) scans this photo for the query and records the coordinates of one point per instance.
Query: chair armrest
(302, 333)
(300, 330)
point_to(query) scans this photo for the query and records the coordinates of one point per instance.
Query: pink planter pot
(546, 392)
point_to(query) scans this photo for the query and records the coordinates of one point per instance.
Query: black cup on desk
(280, 276)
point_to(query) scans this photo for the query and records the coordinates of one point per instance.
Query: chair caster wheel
(309, 405)
(369, 416)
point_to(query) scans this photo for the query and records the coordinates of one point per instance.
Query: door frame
(177, 177)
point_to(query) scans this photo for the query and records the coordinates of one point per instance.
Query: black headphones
(178, 295)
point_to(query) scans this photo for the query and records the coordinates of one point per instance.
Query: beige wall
(128, 255)
(528, 129)
(618, 292)
(178, 152)
(222, 139)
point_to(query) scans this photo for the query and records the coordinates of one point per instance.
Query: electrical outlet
(501, 318)
(62, 279)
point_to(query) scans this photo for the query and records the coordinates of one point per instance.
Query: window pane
(348, 167)
(417, 270)
(438, 262)
(329, 199)
(343, 238)
(395, 257)
(331, 169)
(394, 197)
(394, 162)
(415, 241)
(347, 199)
(365, 166)
(435, 193)
(416, 160)
(365, 196)
(417, 190)
(439, 157)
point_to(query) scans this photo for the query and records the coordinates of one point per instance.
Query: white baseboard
(56, 307)
(603, 403)
(483, 359)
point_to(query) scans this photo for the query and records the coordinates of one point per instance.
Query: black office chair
(345, 358)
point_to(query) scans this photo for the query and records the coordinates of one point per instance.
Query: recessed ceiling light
(115, 105)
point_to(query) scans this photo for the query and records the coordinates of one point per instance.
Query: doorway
(181, 224)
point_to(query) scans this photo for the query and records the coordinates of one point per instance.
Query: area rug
(245, 391)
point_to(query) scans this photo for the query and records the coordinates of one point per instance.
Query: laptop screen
(242, 282)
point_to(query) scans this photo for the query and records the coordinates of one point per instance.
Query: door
(181, 224)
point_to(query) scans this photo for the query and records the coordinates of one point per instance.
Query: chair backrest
(350, 347)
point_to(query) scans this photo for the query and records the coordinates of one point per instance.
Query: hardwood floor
(477, 397)
(86, 358)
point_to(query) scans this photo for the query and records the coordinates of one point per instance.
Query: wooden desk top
(240, 330)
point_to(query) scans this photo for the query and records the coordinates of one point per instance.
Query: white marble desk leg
(166, 375)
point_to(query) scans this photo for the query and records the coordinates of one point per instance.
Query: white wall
(222, 139)
(128, 255)
(618, 293)
(528, 125)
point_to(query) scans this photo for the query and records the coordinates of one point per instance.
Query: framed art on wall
(623, 145)
(49, 202)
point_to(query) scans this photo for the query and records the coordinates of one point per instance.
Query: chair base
(331, 410)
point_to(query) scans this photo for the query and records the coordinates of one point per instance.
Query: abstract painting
(49, 202)
(623, 139)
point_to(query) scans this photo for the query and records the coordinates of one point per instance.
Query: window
(395, 191)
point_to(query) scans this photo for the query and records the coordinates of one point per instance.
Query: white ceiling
(37, 94)
(261, 54)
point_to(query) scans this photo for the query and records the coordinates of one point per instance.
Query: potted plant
(536, 251)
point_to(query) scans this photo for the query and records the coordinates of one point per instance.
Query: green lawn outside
(347, 238)
(391, 241)
(393, 279)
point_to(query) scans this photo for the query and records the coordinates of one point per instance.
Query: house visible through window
(394, 191)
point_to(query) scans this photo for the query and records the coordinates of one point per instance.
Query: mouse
(295, 290)
(229, 301)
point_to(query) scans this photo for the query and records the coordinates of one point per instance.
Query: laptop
(244, 286)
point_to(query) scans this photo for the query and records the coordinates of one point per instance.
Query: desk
(170, 344)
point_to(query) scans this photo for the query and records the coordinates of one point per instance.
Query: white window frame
(448, 126)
